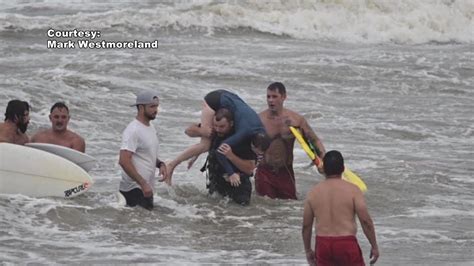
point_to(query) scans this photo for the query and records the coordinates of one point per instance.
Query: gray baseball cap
(147, 97)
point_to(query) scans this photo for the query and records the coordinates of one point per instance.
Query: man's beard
(22, 127)
(150, 116)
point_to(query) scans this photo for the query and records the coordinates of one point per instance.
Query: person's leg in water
(207, 116)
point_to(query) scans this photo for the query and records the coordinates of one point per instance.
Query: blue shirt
(246, 124)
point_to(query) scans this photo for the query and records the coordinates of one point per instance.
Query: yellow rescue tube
(348, 175)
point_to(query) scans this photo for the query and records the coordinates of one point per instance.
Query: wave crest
(353, 21)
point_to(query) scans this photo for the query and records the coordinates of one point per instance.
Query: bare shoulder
(314, 191)
(75, 137)
(356, 191)
(290, 113)
(294, 116)
(352, 191)
(301, 119)
(77, 141)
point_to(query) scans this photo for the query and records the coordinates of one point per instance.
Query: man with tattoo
(275, 177)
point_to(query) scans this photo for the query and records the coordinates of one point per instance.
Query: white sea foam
(440, 212)
(400, 114)
(373, 21)
(416, 235)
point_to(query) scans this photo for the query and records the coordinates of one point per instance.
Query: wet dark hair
(277, 86)
(16, 110)
(261, 141)
(59, 105)
(333, 163)
(224, 113)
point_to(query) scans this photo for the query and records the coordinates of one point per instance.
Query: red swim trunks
(279, 184)
(338, 250)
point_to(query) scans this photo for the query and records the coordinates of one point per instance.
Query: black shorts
(213, 99)
(240, 195)
(135, 197)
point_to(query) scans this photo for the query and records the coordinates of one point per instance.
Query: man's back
(334, 206)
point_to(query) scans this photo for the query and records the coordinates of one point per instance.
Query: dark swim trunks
(338, 250)
(135, 197)
(279, 184)
(240, 195)
(213, 99)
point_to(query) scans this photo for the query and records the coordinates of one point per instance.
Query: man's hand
(321, 170)
(146, 189)
(234, 180)
(226, 150)
(310, 257)
(319, 165)
(374, 254)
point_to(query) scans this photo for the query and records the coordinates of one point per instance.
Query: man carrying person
(275, 177)
(242, 158)
(17, 117)
(139, 154)
(333, 205)
(59, 134)
(247, 125)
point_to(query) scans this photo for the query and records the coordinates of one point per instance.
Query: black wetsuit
(216, 173)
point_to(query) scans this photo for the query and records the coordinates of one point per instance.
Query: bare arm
(309, 134)
(125, 161)
(307, 231)
(367, 225)
(246, 166)
(79, 144)
(233, 140)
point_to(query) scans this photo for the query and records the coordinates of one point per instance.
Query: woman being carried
(247, 125)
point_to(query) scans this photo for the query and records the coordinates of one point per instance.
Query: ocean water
(388, 83)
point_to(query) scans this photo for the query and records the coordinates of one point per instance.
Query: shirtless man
(333, 205)
(17, 117)
(58, 133)
(275, 177)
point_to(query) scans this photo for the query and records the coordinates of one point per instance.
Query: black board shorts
(135, 197)
(213, 99)
(240, 195)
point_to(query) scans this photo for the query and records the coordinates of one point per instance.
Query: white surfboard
(85, 161)
(37, 173)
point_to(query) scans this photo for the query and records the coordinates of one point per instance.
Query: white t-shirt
(143, 142)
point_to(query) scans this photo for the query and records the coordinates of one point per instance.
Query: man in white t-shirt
(139, 154)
